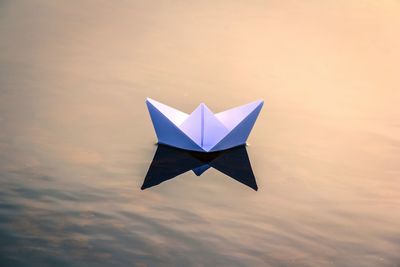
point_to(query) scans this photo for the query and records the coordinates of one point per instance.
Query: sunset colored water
(76, 139)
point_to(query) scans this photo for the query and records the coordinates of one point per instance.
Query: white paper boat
(203, 130)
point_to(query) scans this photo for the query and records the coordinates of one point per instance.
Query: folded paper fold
(203, 130)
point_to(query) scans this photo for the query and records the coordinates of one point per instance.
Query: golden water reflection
(76, 140)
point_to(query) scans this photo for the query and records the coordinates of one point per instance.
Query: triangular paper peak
(202, 130)
(213, 129)
(192, 125)
(174, 115)
(168, 133)
(232, 117)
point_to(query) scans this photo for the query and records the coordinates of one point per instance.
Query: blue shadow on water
(169, 162)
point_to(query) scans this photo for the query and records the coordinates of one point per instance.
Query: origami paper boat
(169, 162)
(203, 130)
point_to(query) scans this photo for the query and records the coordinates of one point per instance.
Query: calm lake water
(76, 140)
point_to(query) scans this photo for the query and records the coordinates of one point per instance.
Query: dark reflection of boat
(169, 162)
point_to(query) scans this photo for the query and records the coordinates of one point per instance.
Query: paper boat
(203, 130)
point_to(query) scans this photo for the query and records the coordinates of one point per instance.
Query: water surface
(76, 141)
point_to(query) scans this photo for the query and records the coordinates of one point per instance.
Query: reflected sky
(169, 162)
(76, 140)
